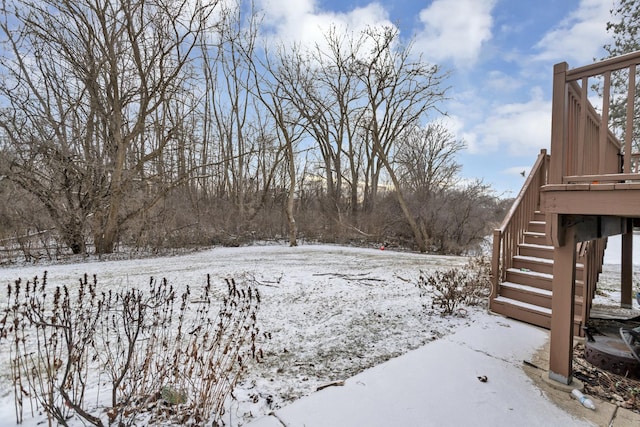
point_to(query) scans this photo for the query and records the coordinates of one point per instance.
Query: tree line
(158, 123)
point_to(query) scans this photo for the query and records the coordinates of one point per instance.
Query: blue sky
(501, 54)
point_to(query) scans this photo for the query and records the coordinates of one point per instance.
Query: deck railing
(591, 255)
(509, 235)
(584, 149)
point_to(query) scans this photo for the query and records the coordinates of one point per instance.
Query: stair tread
(526, 305)
(531, 273)
(534, 233)
(532, 307)
(536, 246)
(536, 274)
(527, 288)
(534, 259)
(535, 290)
(542, 260)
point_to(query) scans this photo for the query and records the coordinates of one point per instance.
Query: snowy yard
(331, 311)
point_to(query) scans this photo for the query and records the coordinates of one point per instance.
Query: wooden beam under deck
(621, 199)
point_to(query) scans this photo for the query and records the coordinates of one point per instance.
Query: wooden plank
(631, 96)
(604, 129)
(495, 264)
(554, 187)
(627, 186)
(601, 178)
(602, 187)
(592, 227)
(623, 202)
(612, 225)
(582, 127)
(552, 227)
(579, 187)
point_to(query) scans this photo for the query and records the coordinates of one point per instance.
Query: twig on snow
(331, 384)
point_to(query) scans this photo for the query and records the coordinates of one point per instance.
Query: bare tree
(277, 80)
(229, 92)
(90, 90)
(333, 106)
(426, 159)
(156, 122)
(459, 219)
(400, 93)
(321, 84)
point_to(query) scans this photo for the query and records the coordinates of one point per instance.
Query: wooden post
(495, 264)
(562, 309)
(626, 285)
(558, 123)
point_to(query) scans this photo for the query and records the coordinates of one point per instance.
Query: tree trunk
(293, 227)
(107, 240)
(72, 235)
(417, 233)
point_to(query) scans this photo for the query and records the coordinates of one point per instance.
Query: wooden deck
(586, 189)
(620, 199)
(593, 189)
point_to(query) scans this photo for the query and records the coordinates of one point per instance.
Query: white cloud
(499, 81)
(455, 30)
(519, 128)
(278, 10)
(579, 37)
(456, 126)
(301, 21)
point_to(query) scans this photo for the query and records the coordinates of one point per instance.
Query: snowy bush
(450, 289)
(156, 356)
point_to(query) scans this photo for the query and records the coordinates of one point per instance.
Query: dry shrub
(155, 356)
(451, 289)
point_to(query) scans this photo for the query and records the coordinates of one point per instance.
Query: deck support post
(562, 308)
(626, 275)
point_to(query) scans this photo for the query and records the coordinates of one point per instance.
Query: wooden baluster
(582, 124)
(628, 133)
(604, 123)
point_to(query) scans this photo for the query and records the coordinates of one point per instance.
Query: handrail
(510, 233)
(598, 68)
(581, 141)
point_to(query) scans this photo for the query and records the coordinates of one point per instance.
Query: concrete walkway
(442, 384)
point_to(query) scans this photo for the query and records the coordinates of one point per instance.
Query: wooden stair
(526, 292)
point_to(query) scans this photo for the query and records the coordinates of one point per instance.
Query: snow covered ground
(332, 311)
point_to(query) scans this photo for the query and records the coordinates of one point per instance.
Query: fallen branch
(351, 276)
(331, 384)
(267, 282)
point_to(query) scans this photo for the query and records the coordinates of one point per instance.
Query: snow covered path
(438, 385)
